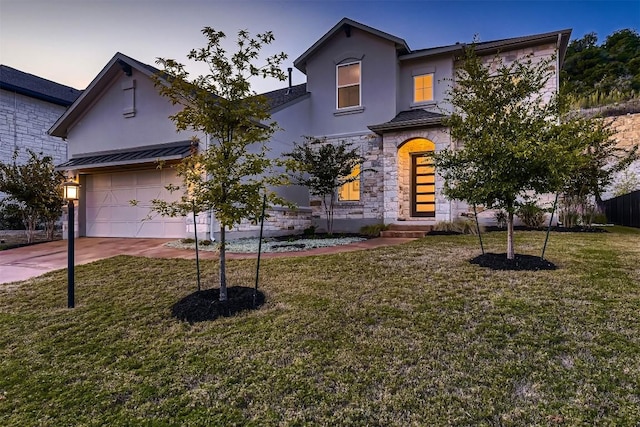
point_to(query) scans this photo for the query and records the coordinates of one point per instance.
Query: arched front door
(416, 179)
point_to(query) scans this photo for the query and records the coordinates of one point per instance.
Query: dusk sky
(69, 41)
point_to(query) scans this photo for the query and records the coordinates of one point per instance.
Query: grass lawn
(399, 336)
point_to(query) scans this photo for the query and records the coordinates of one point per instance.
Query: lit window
(423, 88)
(349, 85)
(350, 192)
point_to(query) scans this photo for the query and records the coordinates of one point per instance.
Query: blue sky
(69, 41)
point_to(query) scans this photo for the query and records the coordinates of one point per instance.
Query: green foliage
(324, 168)
(506, 135)
(530, 214)
(598, 75)
(35, 190)
(309, 231)
(627, 183)
(231, 175)
(11, 216)
(501, 218)
(597, 160)
(462, 226)
(373, 230)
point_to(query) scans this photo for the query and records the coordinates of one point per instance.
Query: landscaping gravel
(250, 245)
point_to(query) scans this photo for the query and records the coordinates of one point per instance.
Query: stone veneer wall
(397, 179)
(351, 216)
(280, 222)
(24, 122)
(627, 128)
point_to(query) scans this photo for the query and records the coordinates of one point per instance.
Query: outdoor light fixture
(71, 193)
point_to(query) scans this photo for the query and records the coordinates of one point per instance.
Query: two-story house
(369, 88)
(363, 86)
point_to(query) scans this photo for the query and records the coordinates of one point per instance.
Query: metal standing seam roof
(148, 154)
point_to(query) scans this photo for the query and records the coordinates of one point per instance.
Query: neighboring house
(29, 106)
(363, 86)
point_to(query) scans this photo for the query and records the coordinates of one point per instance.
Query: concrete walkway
(32, 261)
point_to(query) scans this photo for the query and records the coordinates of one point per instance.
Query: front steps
(409, 231)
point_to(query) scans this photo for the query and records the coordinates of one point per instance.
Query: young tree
(597, 161)
(324, 168)
(35, 189)
(503, 125)
(231, 176)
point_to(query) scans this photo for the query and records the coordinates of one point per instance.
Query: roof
(118, 64)
(280, 97)
(560, 36)
(138, 155)
(37, 87)
(346, 24)
(409, 119)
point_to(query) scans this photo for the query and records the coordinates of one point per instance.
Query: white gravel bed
(250, 245)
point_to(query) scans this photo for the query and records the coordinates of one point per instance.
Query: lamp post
(71, 193)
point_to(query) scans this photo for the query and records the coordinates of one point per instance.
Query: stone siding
(627, 128)
(24, 123)
(350, 216)
(397, 182)
(279, 222)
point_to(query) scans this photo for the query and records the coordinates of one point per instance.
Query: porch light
(71, 193)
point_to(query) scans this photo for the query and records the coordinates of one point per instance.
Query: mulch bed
(520, 263)
(205, 305)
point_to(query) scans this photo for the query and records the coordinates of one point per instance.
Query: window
(350, 192)
(423, 88)
(348, 85)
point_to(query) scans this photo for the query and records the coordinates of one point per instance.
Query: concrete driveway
(31, 261)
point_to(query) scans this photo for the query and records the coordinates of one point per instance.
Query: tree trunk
(510, 249)
(223, 269)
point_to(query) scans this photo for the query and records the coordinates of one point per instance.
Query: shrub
(501, 218)
(187, 240)
(463, 226)
(373, 230)
(205, 242)
(309, 231)
(11, 217)
(530, 214)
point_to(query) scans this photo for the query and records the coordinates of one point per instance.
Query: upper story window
(348, 85)
(423, 88)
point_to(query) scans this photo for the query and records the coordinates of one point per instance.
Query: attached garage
(109, 212)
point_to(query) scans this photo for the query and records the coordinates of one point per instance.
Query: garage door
(109, 213)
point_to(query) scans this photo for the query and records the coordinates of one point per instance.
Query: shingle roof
(409, 119)
(36, 87)
(280, 97)
(496, 45)
(138, 155)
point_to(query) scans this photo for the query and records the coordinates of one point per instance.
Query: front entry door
(423, 185)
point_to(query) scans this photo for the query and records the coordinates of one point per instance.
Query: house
(29, 106)
(364, 86)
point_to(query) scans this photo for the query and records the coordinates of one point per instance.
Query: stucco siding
(378, 83)
(105, 126)
(441, 67)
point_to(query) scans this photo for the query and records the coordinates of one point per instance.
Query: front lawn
(406, 335)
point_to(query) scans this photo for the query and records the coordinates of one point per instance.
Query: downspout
(558, 44)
